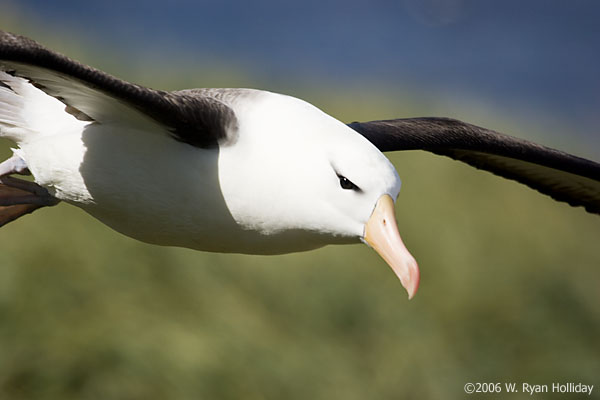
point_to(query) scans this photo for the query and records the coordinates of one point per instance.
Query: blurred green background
(509, 285)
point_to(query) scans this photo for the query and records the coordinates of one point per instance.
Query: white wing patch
(54, 92)
(26, 113)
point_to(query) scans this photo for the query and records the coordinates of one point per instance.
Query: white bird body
(237, 197)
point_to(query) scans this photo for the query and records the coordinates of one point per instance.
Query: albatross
(232, 170)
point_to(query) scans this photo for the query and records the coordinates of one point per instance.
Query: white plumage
(274, 190)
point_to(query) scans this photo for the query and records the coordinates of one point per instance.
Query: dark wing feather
(201, 121)
(560, 175)
(12, 212)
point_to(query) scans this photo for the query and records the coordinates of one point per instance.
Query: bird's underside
(204, 119)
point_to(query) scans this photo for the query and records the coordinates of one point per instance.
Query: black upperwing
(88, 93)
(560, 175)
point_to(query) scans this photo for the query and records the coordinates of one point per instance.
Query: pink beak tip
(412, 283)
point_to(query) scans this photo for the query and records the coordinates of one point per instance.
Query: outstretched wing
(560, 175)
(201, 121)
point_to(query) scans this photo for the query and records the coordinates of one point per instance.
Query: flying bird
(232, 170)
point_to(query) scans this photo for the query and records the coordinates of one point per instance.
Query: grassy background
(509, 293)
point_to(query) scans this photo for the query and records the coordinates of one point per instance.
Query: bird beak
(381, 233)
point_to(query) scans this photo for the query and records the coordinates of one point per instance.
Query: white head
(309, 176)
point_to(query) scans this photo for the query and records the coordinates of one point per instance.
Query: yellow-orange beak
(381, 233)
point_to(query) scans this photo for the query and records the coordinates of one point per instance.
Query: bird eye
(346, 184)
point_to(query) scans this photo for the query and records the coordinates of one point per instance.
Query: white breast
(266, 193)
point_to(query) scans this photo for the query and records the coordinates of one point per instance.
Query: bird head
(320, 179)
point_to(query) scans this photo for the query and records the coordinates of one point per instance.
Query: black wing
(198, 120)
(562, 176)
